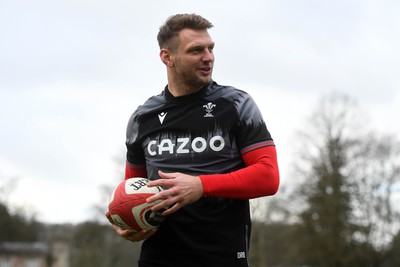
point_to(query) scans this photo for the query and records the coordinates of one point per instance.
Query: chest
(199, 129)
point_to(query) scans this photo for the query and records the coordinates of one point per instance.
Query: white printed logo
(209, 108)
(162, 116)
(241, 255)
(184, 145)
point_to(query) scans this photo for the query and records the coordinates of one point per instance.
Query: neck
(181, 90)
(180, 85)
(177, 87)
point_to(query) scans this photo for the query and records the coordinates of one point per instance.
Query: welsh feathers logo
(209, 108)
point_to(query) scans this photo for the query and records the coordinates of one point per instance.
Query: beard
(189, 78)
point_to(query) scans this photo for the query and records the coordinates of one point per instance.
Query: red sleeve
(259, 178)
(133, 170)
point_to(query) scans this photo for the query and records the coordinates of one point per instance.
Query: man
(208, 146)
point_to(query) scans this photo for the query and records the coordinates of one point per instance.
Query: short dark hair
(174, 24)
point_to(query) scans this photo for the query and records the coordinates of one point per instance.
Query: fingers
(108, 215)
(181, 190)
(165, 175)
(130, 234)
(138, 236)
(163, 195)
(169, 205)
(165, 181)
(169, 199)
(172, 209)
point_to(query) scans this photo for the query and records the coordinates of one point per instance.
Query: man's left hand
(182, 189)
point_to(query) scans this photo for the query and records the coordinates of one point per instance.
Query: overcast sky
(72, 72)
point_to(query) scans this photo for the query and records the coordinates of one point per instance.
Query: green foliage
(275, 244)
(392, 257)
(16, 227)
(97, 245)
(326, 222)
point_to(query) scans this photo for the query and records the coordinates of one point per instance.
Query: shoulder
(244, 104)
(149, 106)
(227, 91)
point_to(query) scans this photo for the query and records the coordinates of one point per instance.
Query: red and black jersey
(217, 133)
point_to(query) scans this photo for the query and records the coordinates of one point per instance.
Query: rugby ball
(128, 207)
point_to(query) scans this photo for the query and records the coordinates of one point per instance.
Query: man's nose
(208, 55)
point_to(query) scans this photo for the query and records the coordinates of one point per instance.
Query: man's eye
(198, 50)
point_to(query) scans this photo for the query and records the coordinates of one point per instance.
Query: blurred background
(323, 73)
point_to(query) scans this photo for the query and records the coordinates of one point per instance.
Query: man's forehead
(195, 37)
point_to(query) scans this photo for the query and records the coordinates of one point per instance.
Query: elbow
(272, 182)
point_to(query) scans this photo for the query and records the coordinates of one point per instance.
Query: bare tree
(348, 177)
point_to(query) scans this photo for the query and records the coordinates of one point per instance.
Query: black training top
(203, 133)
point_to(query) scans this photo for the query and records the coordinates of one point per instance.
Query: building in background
(34, 254)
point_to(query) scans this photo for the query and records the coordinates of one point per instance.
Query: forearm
(259, 178)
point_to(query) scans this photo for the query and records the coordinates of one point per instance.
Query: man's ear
(166, 57)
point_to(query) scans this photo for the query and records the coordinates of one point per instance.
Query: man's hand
(182, 190)
(129, 234)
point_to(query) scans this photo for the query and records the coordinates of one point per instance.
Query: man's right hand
(130, 234)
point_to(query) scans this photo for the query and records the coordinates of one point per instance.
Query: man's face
(194, 58)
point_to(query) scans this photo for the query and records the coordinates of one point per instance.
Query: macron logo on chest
(162, 116)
